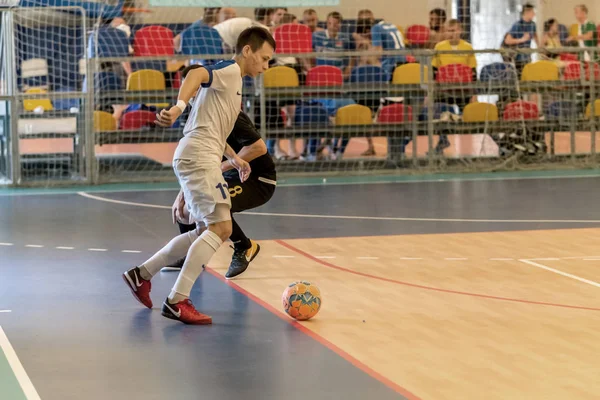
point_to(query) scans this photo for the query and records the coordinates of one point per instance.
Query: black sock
(239, 239)
(183, 228)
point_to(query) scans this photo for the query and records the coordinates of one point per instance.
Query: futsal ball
(301, 300)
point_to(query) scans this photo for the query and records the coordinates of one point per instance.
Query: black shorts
(250, 194)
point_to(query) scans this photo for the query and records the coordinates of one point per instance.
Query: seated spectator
(277, 16)
(454, 32)
(332, 40)
(587, 35)
(551, 40)
(437, 27)
(209, 19)
(226, 13)
(311, 19)
(263, 15)
(520, 36)
(362, 44)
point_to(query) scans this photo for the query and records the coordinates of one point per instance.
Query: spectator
(520, 36)
(332, 40)
(277, 16)
(209, 19)
(362, 43)
(437, 26)
(231, 29)
(226, 13)
(587, 34)
(311, 19)
(263, 15)
(551, 39)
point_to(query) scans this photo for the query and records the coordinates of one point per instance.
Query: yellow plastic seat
(32, 104)
(147, 79)
(480, 112)
(588, 109)
(104, 122)
(281, 76)
(409, 74)
(353, 114)
(540, 71)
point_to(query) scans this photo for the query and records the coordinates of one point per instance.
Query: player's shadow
(140, 326)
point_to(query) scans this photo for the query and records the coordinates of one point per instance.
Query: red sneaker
(185, 312)
(140, 288)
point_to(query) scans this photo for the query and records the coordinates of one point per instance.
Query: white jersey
(212, 117)
(230, 29)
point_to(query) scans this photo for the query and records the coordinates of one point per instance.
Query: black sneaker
(241, 259)
(176, 266)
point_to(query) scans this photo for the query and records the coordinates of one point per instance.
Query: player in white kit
(197, 165)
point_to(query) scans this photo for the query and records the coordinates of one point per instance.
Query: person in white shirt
(230, 30)
(197, 165)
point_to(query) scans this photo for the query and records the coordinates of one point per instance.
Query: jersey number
(222, 188)
(234, 191)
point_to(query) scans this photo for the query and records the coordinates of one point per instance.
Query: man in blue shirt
(521, 34)
(332, 40)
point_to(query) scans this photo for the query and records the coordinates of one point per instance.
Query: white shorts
(205, 192)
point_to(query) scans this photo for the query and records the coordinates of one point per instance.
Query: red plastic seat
(518, 110)
(324, 75)
(137, 120)
(417, 35)
(293, 38)
(572, 71)
(153, 40)
(395, 114)
(455, 73)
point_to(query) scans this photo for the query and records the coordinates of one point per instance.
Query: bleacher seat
(34, 73)
(395, 114)
(540, 71)
(111, 43)
(367, 74)
(521, 110)
(562, 110)
(104, 122)
(454, 73)
(498, 72)
(280, 76)
(65, 104)
(312, 116)
(354, 114)
(153, 40)
(201, 40)
(480, 112)
(588, 110)
(409, 74)
(147, 80)
(292, 39)
(32, 104)
(572, 71)
(417, 35)
(137, 120)
(324, 75)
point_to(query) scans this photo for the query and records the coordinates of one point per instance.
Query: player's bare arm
(194, 79)
(247, 153)
(236, 162)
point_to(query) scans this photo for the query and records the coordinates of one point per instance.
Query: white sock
(199, 254)
(175, 250)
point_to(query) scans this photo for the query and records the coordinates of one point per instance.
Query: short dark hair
(548, 24)
(439, 12)
(527, 7)
(336, 15)
(187, 70)
(310, 11)
(262, 13)
(254, 37)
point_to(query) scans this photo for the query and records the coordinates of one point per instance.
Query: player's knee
(222, 229)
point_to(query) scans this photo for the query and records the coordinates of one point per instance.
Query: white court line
(35, 246)
(455, 259)
(64, 248)
(355, 217)
(6, 244)
(5, 311)
(501, 259)
(131, 251)
(97, 249)
(410, 258)
(368, 258)
(17, 368)
(284, 256)
(559, 272)
(325, 257)
(544, 259)
(591, 259)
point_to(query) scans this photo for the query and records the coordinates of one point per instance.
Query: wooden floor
(501, 315)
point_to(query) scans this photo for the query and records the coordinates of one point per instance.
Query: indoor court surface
(460, 289)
